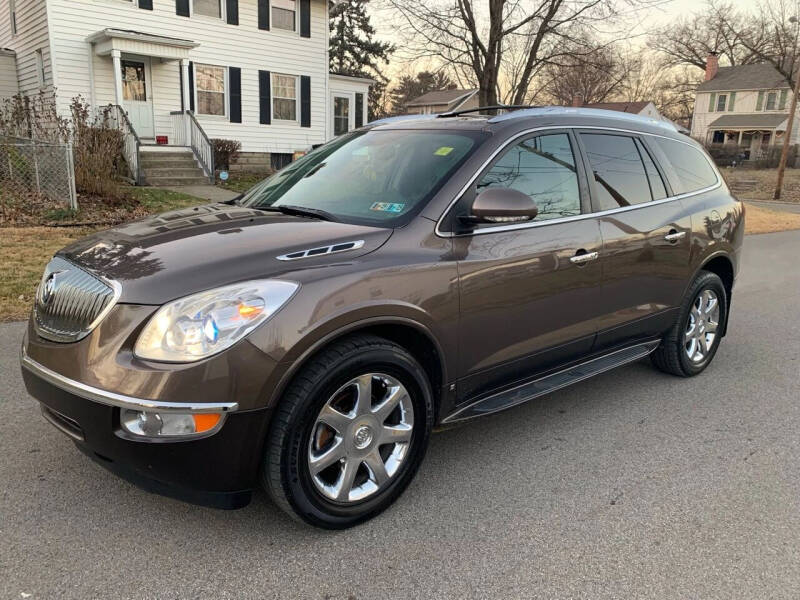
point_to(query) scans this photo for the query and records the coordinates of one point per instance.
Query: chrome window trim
(502, 228)
(120, 400)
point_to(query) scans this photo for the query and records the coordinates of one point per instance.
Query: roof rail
(466, 111)
(402, 118)
(541, 111)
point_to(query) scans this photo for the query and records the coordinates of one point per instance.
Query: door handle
(674, 236)
(582, 259)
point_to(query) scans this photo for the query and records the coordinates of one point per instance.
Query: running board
(549, 383)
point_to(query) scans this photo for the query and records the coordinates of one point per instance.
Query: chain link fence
(36, 172)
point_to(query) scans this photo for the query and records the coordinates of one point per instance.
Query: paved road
(632, 485)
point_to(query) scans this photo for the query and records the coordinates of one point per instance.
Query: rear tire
(690, 345)
(349, 434)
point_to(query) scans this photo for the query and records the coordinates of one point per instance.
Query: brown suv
(413, 273)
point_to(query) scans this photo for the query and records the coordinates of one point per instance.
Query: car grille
(70, 302)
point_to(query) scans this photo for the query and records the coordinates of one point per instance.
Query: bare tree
(503, 43)
(596, 75)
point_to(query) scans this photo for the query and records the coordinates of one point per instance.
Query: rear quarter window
(691, 167)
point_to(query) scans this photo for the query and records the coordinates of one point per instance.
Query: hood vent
(323, 250)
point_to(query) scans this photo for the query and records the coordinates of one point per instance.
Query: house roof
(440, 97)
(628, 107)
(343, 77)
(139, 36)
(763, 121)
(761, 76)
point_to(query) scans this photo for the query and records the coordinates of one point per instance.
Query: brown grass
(764, 186)
(764, 220)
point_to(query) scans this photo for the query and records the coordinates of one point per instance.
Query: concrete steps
(166, 168)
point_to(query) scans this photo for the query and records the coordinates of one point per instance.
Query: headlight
(204, 324)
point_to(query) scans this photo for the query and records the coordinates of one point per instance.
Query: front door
(528, 303)
(137, 95)
(342, 113)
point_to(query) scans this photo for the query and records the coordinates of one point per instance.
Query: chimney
(577, 100)
(712, 65)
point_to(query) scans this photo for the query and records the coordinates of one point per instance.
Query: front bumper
(219, 470)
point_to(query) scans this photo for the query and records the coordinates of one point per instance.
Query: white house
(255, 71)
(441, 101)
(747, 105)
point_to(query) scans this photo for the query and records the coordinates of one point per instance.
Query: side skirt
(549, 383)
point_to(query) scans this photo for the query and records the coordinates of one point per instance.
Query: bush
(225, 151)
(97, 147)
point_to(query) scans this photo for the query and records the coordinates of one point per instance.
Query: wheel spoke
(376, 467)
(395, 434)
(334, 419)
(385, 408)
(711, 326)
(344, 484)
(703, 344)
(364, 397)
(322, 461)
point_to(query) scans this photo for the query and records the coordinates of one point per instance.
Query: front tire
(690, 345)
(349, 434)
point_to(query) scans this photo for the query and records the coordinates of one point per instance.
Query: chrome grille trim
(71, 302)
(323, 250)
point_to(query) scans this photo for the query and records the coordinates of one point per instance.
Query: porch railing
(131, 141)
(186, 131)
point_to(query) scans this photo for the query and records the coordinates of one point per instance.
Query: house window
(721, 100)
(210, 84)
(208, 8)
(284, 13)
(40, 68)
(341, 115)
(12, 9)
(134, 85)
(772, 101)
(284, 97)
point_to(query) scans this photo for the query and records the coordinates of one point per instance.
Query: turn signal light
(168, 424)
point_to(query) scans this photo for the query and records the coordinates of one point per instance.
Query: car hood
(167, 256)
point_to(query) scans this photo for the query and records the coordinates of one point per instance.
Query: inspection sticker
(443, 151)
(392, 207)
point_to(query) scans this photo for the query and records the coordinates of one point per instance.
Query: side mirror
(501, 205)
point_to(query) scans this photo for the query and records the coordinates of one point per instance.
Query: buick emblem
(49, 288)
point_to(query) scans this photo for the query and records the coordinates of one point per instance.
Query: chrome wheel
(701, 329)
(361, 438)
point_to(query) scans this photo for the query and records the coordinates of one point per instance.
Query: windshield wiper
(300, 211)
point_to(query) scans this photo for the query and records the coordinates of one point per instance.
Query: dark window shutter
(235, 84)
(712, 102)
(146, 4)
(232, 11)
(305, 101)
(191, 86)
(305, 18)
(359, 109)
(760, 101)
(782, 101)
(731, 101)
(264, 98)
(182, 8)
(263, 14)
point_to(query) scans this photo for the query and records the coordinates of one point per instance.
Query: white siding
(243, 46)
(31, 36)
(349, 87)
(8, 76)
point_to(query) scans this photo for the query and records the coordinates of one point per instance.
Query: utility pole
(790, 122)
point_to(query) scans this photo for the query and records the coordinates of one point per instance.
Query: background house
(747, 105)
(441, 101)
(255, 71)
(645, 108)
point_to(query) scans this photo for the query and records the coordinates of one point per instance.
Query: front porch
(754, 135)
(150, 78)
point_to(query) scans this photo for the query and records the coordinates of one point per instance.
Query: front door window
(341, 115)
(134, 86)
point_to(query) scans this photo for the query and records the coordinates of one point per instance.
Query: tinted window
(691, 166)
(657, 187)
(620, 178)
(544, 168)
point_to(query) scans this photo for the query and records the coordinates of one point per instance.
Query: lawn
(759, 184)
(241, 182)
(24, 251)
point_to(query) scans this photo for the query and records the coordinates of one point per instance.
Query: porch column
(185, 76)
(115, 57)
(739, 143)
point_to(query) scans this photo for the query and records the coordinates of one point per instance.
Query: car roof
(528, 118)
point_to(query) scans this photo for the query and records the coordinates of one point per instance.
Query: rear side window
(619, 173)
(657, 188)
(691, 166)
(543, 168)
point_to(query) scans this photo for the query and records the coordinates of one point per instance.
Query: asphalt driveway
(632, 485)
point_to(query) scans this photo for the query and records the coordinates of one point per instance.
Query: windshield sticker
(391, 207)
(443, 151)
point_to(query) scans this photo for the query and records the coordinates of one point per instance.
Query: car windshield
(376, 178)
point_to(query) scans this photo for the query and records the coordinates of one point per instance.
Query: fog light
(167, 424)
